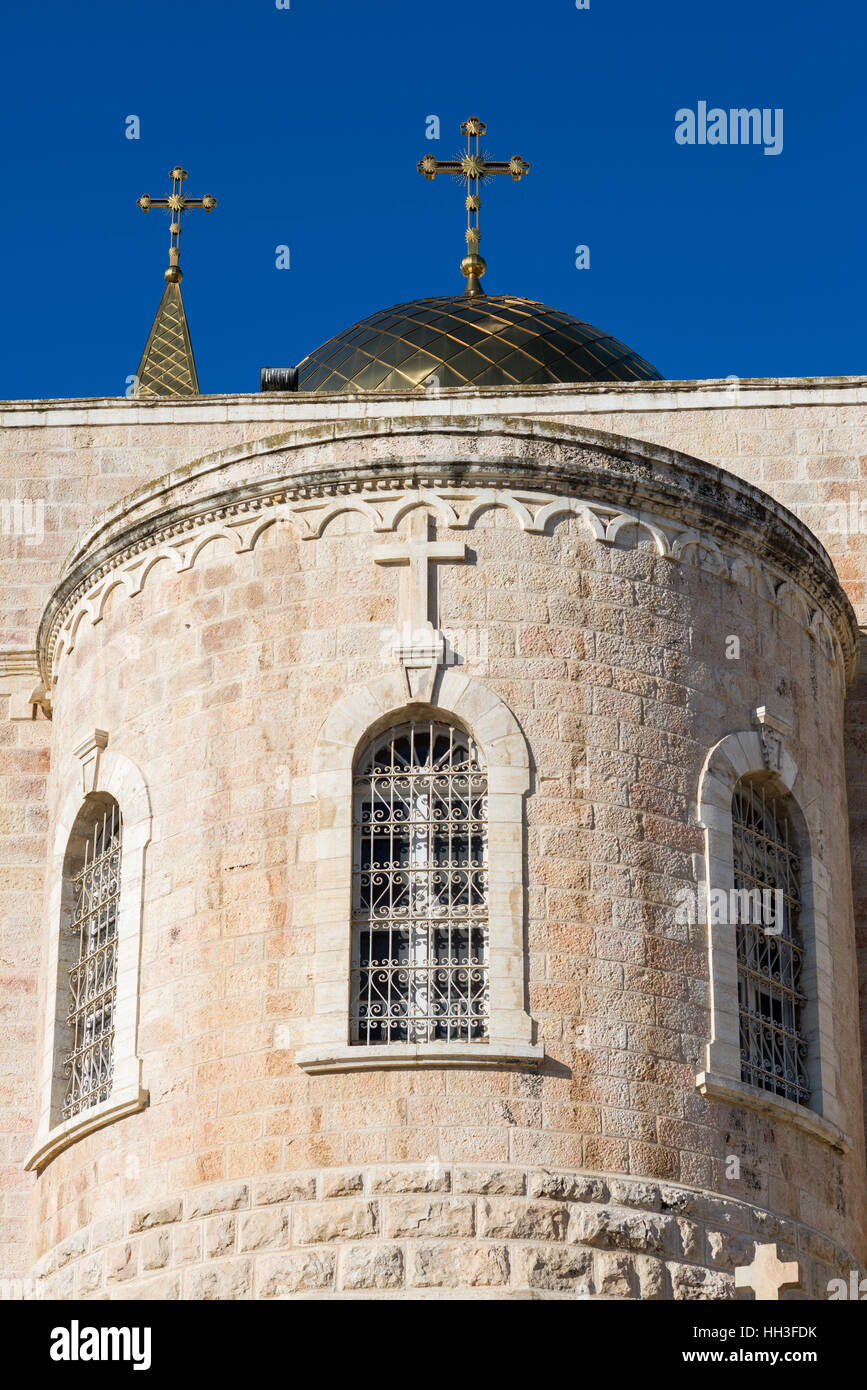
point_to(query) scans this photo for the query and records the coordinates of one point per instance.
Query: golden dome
(452, 340)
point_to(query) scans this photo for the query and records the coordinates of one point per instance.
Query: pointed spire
(167, 366)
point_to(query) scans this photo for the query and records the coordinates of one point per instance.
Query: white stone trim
(122, 1101)
(355, 718)
(735, 756)
(572, 398)
(115, 775)
(21, 681)
(318, 1058)
(774, 1107)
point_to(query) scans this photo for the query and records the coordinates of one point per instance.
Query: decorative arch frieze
(458, 507)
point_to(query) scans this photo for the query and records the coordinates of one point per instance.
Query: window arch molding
(94, 772)
(743, 755)
(356, 719)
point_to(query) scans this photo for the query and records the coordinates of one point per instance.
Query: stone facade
(603, 579)
(434, 1231)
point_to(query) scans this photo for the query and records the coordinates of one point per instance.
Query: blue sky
(307, 124)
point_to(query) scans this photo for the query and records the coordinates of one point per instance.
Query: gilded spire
(473, 168)
(167, 367)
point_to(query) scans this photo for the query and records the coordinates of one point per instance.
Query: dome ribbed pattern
(455, 341)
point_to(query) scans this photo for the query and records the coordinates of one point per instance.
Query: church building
(432, 819)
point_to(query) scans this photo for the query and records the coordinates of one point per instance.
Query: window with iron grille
(94, 880)
(419, 967)
(769, 948)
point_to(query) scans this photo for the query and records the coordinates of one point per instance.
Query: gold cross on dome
(473, 168)
(176, 202)
(767, 1275)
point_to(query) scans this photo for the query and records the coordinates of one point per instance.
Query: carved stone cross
(420, 646)
(417, 554)
(767, 1275)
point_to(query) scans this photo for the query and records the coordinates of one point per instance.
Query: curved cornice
(309, 473)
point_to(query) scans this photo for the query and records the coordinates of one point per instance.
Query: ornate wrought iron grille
(420, 888)
(769, 953)
(93, 978)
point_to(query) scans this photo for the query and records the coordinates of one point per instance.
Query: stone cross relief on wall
(767, 1274)
(420, 647)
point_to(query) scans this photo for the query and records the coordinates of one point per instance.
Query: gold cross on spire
(176, 202)
(473, 168)
(167, 366)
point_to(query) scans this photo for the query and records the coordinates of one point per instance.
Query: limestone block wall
(802, 441)
(214, 681)
(434, 1231)
(805, 444)
(24, 762)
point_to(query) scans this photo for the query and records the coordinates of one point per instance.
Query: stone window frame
(355, 719)
(420, 825)
(739, 755)
(110, 774)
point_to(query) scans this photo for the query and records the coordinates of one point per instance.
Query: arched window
(91, 894)
(771, 1002)
(419, 968)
